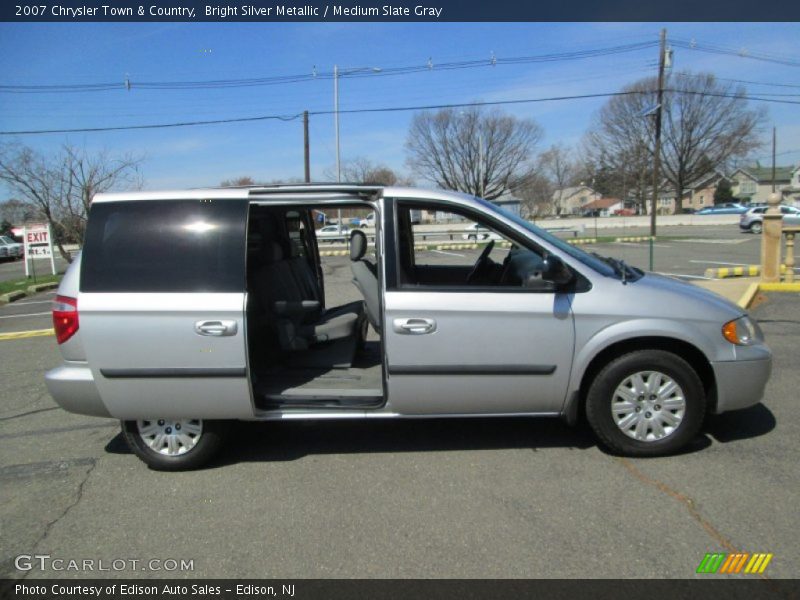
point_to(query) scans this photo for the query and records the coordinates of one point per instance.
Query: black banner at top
(398, 10)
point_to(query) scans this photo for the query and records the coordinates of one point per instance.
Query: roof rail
(312, 188)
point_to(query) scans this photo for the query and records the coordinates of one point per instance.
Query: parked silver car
(333, 234)
(753, 219)
(9, 248)
(219, 314)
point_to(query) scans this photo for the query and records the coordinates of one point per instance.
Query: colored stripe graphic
(711, 562)
(758, 563)
(720, 562)
(734, 562)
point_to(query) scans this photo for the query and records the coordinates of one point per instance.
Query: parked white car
(477, 232)
(10, 249)
(753, 219)
(332, 234)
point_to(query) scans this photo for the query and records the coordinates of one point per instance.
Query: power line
(156, 126)
(391, 109)
(745, 81)
(490, 61)
(742, 53)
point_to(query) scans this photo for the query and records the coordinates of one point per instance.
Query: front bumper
(72, 386)
(740, 383)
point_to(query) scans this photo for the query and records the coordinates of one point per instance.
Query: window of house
(747, 186)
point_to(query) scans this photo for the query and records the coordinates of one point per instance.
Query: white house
(573, 199)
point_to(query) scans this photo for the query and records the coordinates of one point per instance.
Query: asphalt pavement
(471, 498)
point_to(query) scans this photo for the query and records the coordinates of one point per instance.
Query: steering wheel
(481, 263)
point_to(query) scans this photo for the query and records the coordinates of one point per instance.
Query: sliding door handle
(216, 328)
(414, 326)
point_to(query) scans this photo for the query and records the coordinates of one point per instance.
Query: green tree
(5, 228)
(723, 193)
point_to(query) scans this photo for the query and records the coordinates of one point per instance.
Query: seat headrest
(358, 245)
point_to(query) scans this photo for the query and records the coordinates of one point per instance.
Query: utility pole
(306, 154)
(662, 53)
(773, 160)
(481, 173)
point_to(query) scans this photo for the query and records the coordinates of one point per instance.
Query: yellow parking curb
(742, 271)
(20, 335)
(748, 296)
(780, 287)
(456, 246)
(646, 238)
(754, 288)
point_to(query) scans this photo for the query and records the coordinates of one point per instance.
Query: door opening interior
(313, 336)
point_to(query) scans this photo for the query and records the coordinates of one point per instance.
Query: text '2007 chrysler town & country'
(191, 309)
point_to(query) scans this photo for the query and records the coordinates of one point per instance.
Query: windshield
(6, 240)
(585, 258)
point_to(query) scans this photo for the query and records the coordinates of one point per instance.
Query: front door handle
(216, 328)
(414, 326)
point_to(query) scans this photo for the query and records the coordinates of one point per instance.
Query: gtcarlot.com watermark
(46, 562)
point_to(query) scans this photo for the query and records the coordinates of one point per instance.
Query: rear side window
(165, 246)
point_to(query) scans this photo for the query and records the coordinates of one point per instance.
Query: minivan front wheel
(174, 444)
(646, 403)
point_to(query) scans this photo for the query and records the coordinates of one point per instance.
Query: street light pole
(336, 74)
(336, 120)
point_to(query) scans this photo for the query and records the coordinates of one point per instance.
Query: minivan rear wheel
(646, 403)
(175, 444)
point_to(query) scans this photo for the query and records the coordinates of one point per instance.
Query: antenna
(127, 82)
(493, 61)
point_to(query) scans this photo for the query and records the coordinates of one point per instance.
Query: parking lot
(469, 498)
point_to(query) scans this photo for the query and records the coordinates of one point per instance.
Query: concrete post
(771, 241)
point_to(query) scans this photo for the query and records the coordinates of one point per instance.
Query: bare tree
(238, 181)
(18, 212)
(62, 186)
(90, 174)
(558, 166)
(470, 150)
(625, 174)
(706, 124)
(363, 170)
(535, 193)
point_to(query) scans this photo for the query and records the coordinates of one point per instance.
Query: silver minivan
(188, 310)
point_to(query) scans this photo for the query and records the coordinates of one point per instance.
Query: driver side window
(441, 248)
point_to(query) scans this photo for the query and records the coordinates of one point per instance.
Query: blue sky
(68, 53)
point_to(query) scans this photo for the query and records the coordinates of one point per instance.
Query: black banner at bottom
(396, 589)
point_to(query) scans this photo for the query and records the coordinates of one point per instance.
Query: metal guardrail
(449, 234)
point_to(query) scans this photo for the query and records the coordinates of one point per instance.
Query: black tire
(603, 388)
(211, 440)
(756, 226)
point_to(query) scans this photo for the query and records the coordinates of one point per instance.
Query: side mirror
(554, 269)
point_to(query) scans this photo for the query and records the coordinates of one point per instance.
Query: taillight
(65, 317)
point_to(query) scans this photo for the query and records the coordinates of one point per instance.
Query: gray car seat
(315, 337)
(365, 277)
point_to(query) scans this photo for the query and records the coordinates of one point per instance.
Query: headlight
(742, 332)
